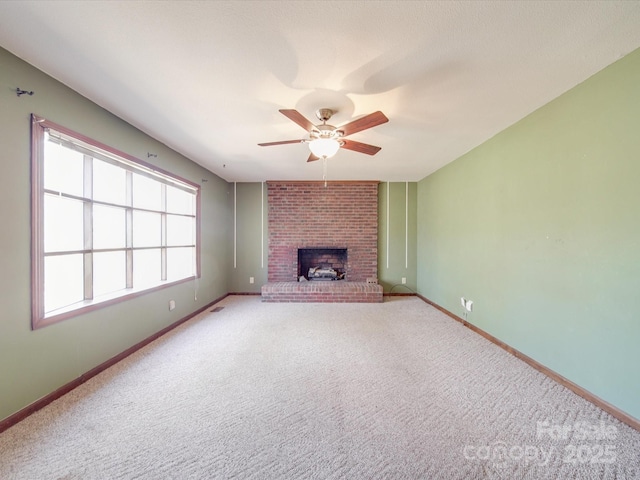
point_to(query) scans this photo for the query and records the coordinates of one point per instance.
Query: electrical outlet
(469, 306)
(172, 304)
(251, 279)
(404, 280)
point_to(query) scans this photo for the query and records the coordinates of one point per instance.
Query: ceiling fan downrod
(324, 114)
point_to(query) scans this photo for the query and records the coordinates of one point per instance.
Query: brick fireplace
(304, 215)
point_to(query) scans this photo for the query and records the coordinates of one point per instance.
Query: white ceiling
(207, 77)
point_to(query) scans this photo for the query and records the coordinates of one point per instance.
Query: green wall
(34, 363)
(397, 223)
(540, 227)
(250, 237)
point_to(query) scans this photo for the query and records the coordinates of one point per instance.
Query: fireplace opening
(322, 264)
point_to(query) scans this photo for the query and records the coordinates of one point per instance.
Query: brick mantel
(308, 214)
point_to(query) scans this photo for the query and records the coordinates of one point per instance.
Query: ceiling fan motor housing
(325, 131)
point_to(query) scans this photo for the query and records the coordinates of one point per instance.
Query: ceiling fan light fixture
(324, 147)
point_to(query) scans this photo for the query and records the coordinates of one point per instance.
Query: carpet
(260, 390)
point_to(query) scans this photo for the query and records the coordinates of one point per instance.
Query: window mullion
(88, 227)
(129, 228)
(163, 234)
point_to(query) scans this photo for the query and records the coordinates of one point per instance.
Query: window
(105, 226)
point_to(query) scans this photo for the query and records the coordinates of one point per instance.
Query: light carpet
(320, 391)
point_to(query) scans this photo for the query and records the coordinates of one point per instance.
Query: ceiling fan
(325, 140)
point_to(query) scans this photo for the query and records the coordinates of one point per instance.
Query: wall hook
(20, 92)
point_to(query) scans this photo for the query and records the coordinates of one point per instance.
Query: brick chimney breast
(308, 214)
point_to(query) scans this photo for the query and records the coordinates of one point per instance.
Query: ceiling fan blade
(284, 142)
(360, 147)
(368, 121)
(298, 118)
(312, 158)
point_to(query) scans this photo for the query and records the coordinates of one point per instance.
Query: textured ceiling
(207, 78)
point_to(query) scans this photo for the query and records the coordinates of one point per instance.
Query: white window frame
(92, 148)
